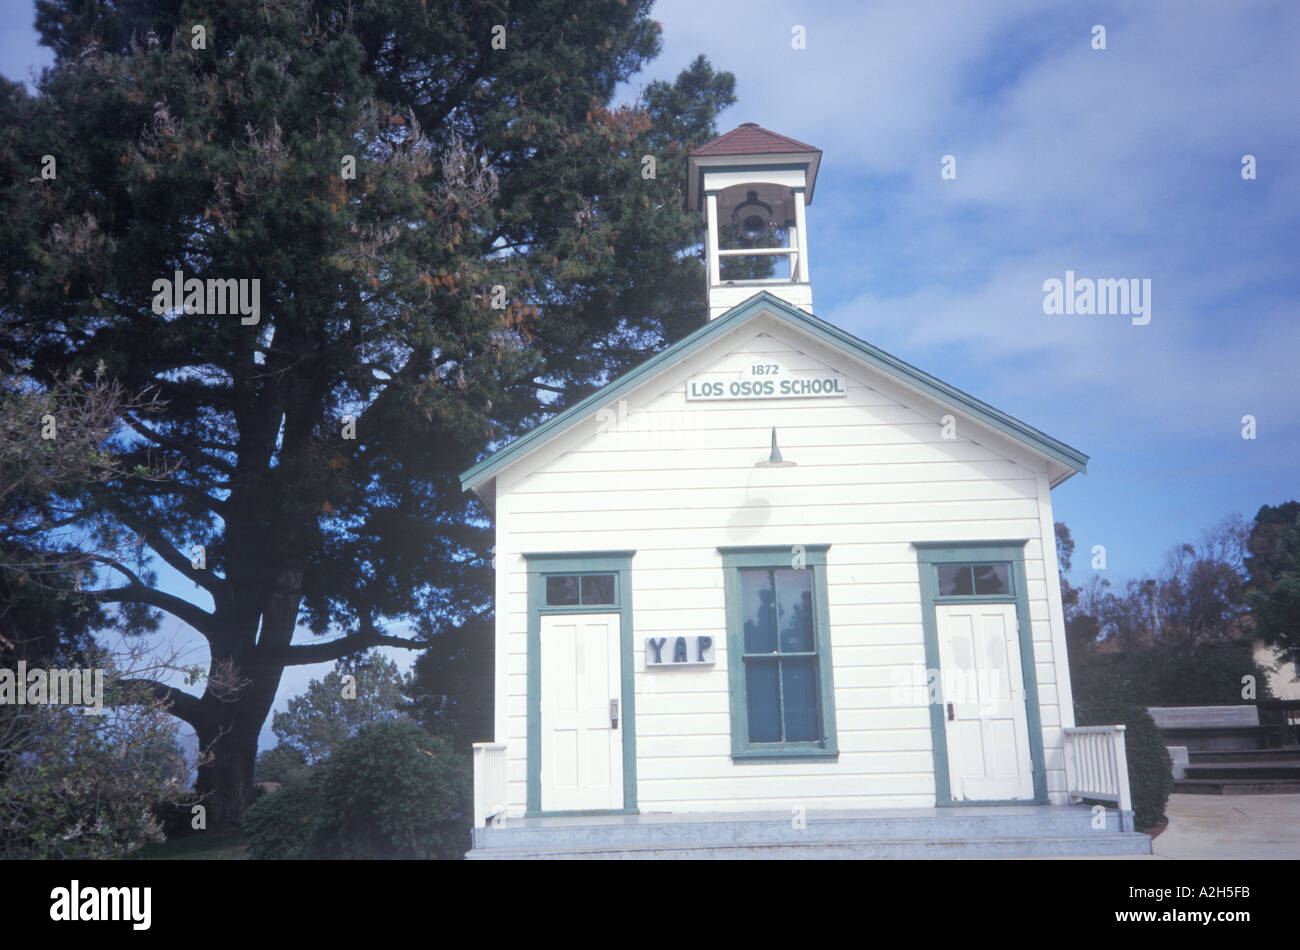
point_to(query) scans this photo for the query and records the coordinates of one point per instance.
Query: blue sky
(1116, 163)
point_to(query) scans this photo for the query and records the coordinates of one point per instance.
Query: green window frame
(973, 580)
(566, 590)
(788, 656)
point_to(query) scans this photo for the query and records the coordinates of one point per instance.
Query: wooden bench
(1214, 728)
(1283, 715)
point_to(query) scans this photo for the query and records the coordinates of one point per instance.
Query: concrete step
(1221, 787)
(742, 829)
(961, 831)
(1232, 738)
(1243, 770)
(1044, 846)
(1245, 755)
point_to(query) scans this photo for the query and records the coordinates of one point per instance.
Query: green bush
(395, 791)
(1206, 674)
(283, 824)
(391, 791)
(1150, 772)
(83, 787)
(283, 764)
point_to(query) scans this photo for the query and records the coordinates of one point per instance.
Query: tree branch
(178, 446)
(216, 586)
(215, 505)
(337, 649)
(184, 706)
(533, 384)
(136, 593)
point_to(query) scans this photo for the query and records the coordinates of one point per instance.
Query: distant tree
(451, 685)
(1127, 615)
(1201, 592)
(1084, 606)
(1199, 674)
(1273, 569)
(285, 764)
(360, 691)
(1198, 596)
(1064, 557)
(1083, 616)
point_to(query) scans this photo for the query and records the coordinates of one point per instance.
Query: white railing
(489, 781)
(790, 253)
(1096, 767)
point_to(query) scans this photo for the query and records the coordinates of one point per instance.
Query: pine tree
(453, 234)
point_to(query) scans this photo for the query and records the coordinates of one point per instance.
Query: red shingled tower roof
(752, 139)
(749, 139)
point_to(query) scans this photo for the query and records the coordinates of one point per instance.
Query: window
(579, 590)
(780, 660)
(963, 580)
(778, 653)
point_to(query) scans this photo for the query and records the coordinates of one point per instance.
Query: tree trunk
(225, 784)
(229, 737)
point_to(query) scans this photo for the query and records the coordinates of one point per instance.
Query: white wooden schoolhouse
(776, 592)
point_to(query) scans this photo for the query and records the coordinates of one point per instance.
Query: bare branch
(196, 617)
(336, 649)
(181, 705)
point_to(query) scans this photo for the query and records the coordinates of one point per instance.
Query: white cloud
(1116, 163)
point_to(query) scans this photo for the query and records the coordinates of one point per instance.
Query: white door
(582, 715)
(984, 702)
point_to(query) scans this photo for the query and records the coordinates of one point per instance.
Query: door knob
(613, 714)
(951, 716)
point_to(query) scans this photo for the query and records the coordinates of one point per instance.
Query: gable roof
(750, 138)
(1072, 459)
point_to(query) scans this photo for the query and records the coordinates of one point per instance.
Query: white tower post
(711, 250)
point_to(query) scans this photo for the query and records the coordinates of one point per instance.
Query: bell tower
(753, 186)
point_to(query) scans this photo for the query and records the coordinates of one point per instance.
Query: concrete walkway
(1224, 827)
(1237, 827)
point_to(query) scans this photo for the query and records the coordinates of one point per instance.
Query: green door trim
(931, 553)
(540, 564)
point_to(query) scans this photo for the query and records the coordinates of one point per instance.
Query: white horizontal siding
(674, 479)
(726, 471)
(618, 496)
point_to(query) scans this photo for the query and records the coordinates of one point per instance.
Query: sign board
(666, 652)
(766, 381)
